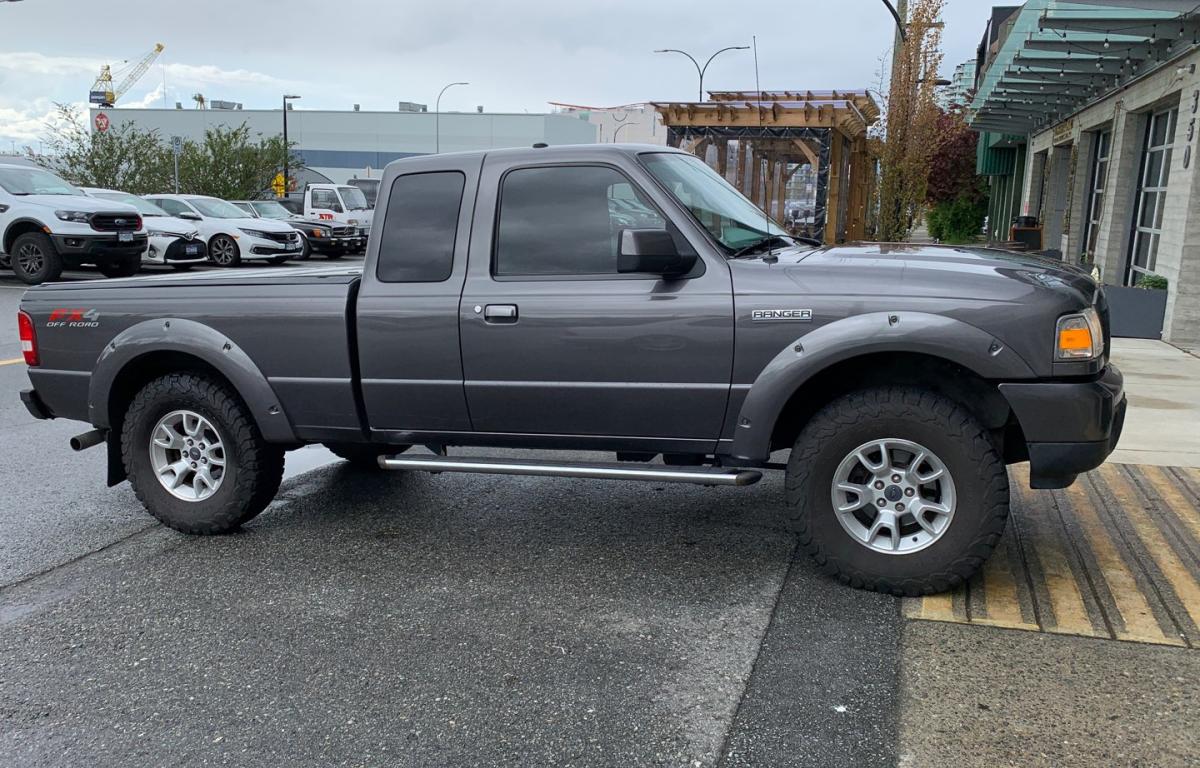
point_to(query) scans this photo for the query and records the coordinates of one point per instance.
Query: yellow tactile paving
(1116, 555)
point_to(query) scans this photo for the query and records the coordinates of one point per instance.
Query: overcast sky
(517, 54)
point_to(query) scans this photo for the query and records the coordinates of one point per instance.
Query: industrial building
(1088, 117)
(340, 145)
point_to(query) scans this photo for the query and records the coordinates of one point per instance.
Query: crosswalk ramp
(1116, 555)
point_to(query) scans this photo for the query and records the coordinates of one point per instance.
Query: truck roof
(561, 152)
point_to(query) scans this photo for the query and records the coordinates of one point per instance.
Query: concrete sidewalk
(1163, 386)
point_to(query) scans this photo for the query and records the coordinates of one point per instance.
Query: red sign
(101, 122)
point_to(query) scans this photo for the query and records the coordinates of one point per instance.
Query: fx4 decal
(73, 318)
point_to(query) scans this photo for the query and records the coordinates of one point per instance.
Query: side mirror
(652, 251)
(189, 216)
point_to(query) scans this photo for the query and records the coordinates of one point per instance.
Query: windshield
(34, 181)
(145, 207)
(271, 210)
(217, 209)
(353, 198)
(733, 220)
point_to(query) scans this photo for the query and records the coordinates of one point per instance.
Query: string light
(1106, 43)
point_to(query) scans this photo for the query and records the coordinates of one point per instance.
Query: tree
(906, 149)
(954, 192)
(124, 157)
(231, 163)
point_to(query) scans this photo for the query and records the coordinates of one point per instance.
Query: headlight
(1079, 336)
(255, 233)
(78, 217)
(318, 232)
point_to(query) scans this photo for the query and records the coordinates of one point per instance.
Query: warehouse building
(1088, 116)
(339, 145)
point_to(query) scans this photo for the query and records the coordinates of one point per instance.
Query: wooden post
(837, 187)
(723, 158)
(755, 178)
(781, 194)
(739, 179)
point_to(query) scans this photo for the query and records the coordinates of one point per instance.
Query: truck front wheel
(35, 259)
(898, 490)
(195, 457)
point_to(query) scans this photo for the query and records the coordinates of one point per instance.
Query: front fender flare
(877, 332)
(200, 341)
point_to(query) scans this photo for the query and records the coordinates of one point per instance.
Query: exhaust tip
(88, 439)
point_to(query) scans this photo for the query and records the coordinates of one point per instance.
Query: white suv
(46, 224)
(173, 242)
(232, 234)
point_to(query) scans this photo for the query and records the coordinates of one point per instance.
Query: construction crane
(103, 94)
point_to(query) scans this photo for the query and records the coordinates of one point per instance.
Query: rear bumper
(98, 248)
(37, 409)
(1069, 427)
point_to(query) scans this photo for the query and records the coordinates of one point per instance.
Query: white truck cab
(338, 202)
(47, 224)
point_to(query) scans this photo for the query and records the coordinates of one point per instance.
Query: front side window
(327, 199)
(567, 220)
(419, 230)
(34, 181)
(735, 222)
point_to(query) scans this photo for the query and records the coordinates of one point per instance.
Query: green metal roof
(1059, 55)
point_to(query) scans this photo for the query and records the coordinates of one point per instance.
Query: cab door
(556, 342)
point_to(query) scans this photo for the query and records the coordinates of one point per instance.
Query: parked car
(903, 378)
(231, 234)
(369, 188)
(171, 241)
(326, 238)
(47, 225)
(338, 202)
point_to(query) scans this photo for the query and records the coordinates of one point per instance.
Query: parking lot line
(994, 596)
(12, 361)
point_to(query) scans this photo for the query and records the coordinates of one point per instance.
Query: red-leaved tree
(952, 167)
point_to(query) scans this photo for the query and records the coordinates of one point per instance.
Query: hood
(78, 203)
(263, 225)
(169, 224)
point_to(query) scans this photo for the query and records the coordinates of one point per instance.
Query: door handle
(500, 313)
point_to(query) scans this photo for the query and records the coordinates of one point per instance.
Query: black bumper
(337, 244)
(34, 404)
(98, 248)
(1069, 427)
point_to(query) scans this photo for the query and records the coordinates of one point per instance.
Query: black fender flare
(913, 332)
(200, 341)
(17, 222)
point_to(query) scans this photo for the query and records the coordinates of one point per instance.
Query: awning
(1059, 55)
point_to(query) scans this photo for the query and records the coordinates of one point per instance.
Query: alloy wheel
(187, 454)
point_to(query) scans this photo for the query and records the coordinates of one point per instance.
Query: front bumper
(98, 248)
(174, 250)
(337, 244)
(1069, 427)
(260, 248)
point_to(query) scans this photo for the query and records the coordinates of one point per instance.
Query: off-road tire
(364, 455)
(51, 262)
(124, 267)
(218, 242)
(254, 467)
(945, 427)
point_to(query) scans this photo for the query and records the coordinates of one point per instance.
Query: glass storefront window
(1152, 194)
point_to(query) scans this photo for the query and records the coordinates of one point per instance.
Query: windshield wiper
(757, 244)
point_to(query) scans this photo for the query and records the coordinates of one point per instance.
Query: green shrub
(958, 221)
(1152, 282)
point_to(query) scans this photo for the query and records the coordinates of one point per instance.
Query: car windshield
(733, 220)
(271, 210)
(34, 181)
(145, 207)
(353, 198)
(217, 209)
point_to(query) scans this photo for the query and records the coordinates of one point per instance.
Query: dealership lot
(449, 619)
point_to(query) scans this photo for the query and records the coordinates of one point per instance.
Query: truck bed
(293, 324)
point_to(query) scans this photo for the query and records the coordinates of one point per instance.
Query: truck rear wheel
(127, 266)
(897, 490)
(35, 259)
(195, 457)
(364, 455)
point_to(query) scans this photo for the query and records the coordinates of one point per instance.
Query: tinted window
(173, 207)
(567, 220)
(417, 244)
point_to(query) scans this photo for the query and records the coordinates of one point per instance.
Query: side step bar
(600, 471)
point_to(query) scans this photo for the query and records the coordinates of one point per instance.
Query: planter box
(1136, 313)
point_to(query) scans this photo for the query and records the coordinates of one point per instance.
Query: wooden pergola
(770, 135)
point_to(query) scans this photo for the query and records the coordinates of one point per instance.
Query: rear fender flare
(200, 341)
(911, 332)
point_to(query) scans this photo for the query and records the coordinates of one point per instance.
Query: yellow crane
(103, 93)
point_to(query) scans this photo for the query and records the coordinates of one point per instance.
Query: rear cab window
(420, 228)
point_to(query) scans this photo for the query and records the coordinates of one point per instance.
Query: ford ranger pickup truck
(504, 303)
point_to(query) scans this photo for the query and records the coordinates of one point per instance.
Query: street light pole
(617, 132)
(286, 148)
(437, 117)
(699, 69)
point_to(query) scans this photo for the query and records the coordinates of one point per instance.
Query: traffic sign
(277, 185)
(176, 144)
(101, 122)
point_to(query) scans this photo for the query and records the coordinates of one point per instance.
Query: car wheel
(364, 455)
(897, 490)
(305, 248)
(223, 251)
(126, 267)
(195, 457)
(35, 259)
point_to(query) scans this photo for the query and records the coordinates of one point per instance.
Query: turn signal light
(1080, 337)
(28, 338)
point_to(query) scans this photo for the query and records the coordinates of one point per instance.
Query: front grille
(177, 250)
(343, 231)
(282, 237)
(116, 222)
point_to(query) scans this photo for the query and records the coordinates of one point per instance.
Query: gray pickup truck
(624, 299)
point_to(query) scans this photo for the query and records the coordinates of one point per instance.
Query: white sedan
(232, 235)
(172, 242)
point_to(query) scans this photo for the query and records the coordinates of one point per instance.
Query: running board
(601, 471)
